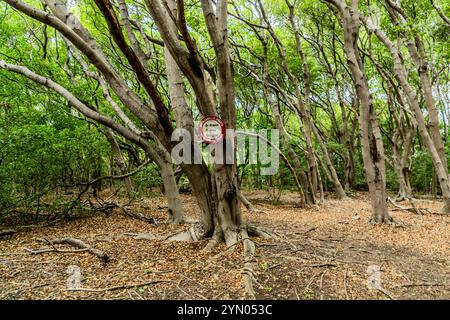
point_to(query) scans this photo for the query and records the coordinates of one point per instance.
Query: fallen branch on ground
(108, 206)
(416, 210)
(320, 265)
(428, 211)
(45, 250)
(412, 209)
(125, 286)
(104, 258)
(420, 284)
(136, 215)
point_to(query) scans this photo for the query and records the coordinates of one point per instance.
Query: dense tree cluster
(359, 91)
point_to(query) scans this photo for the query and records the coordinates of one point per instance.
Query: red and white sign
(211, 129)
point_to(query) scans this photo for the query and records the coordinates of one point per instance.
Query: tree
(371, 139)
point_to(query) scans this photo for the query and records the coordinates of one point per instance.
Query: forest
(224, 149)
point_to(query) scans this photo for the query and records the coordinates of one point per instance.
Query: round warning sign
(211, 129)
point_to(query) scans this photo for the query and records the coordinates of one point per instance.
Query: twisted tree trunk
(371, 139)
(401, 74)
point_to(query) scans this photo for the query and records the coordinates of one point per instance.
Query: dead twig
(318, 265)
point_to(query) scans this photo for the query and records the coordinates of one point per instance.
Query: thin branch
(125, 286)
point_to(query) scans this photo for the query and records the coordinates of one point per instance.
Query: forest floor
(324, 253)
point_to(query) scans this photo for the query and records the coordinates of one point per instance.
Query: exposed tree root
(382, 217)
(192, 234)
(248, 273)
(261, 232)
(143, 236)
(196, 233)
(387, 220)
(242, 236)
(229, 249)
(248, 253)
(249, 205)
(185, 236)
(214, 241)
(104, 258)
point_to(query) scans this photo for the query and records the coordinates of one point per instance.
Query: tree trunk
(400, 72)
(400, 162)
(403, 191)
(333, 177)
(446, 207)
(417, 54)
(119, 161)
(202, 188)
(302, 108)
(307, 189)
(371, 140)
(171, 192)
(229, 217)
(307, 83)
(216, 193)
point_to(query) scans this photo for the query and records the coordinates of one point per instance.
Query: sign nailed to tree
(211, 129)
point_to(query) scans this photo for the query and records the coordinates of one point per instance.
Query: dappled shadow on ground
(323, 253)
